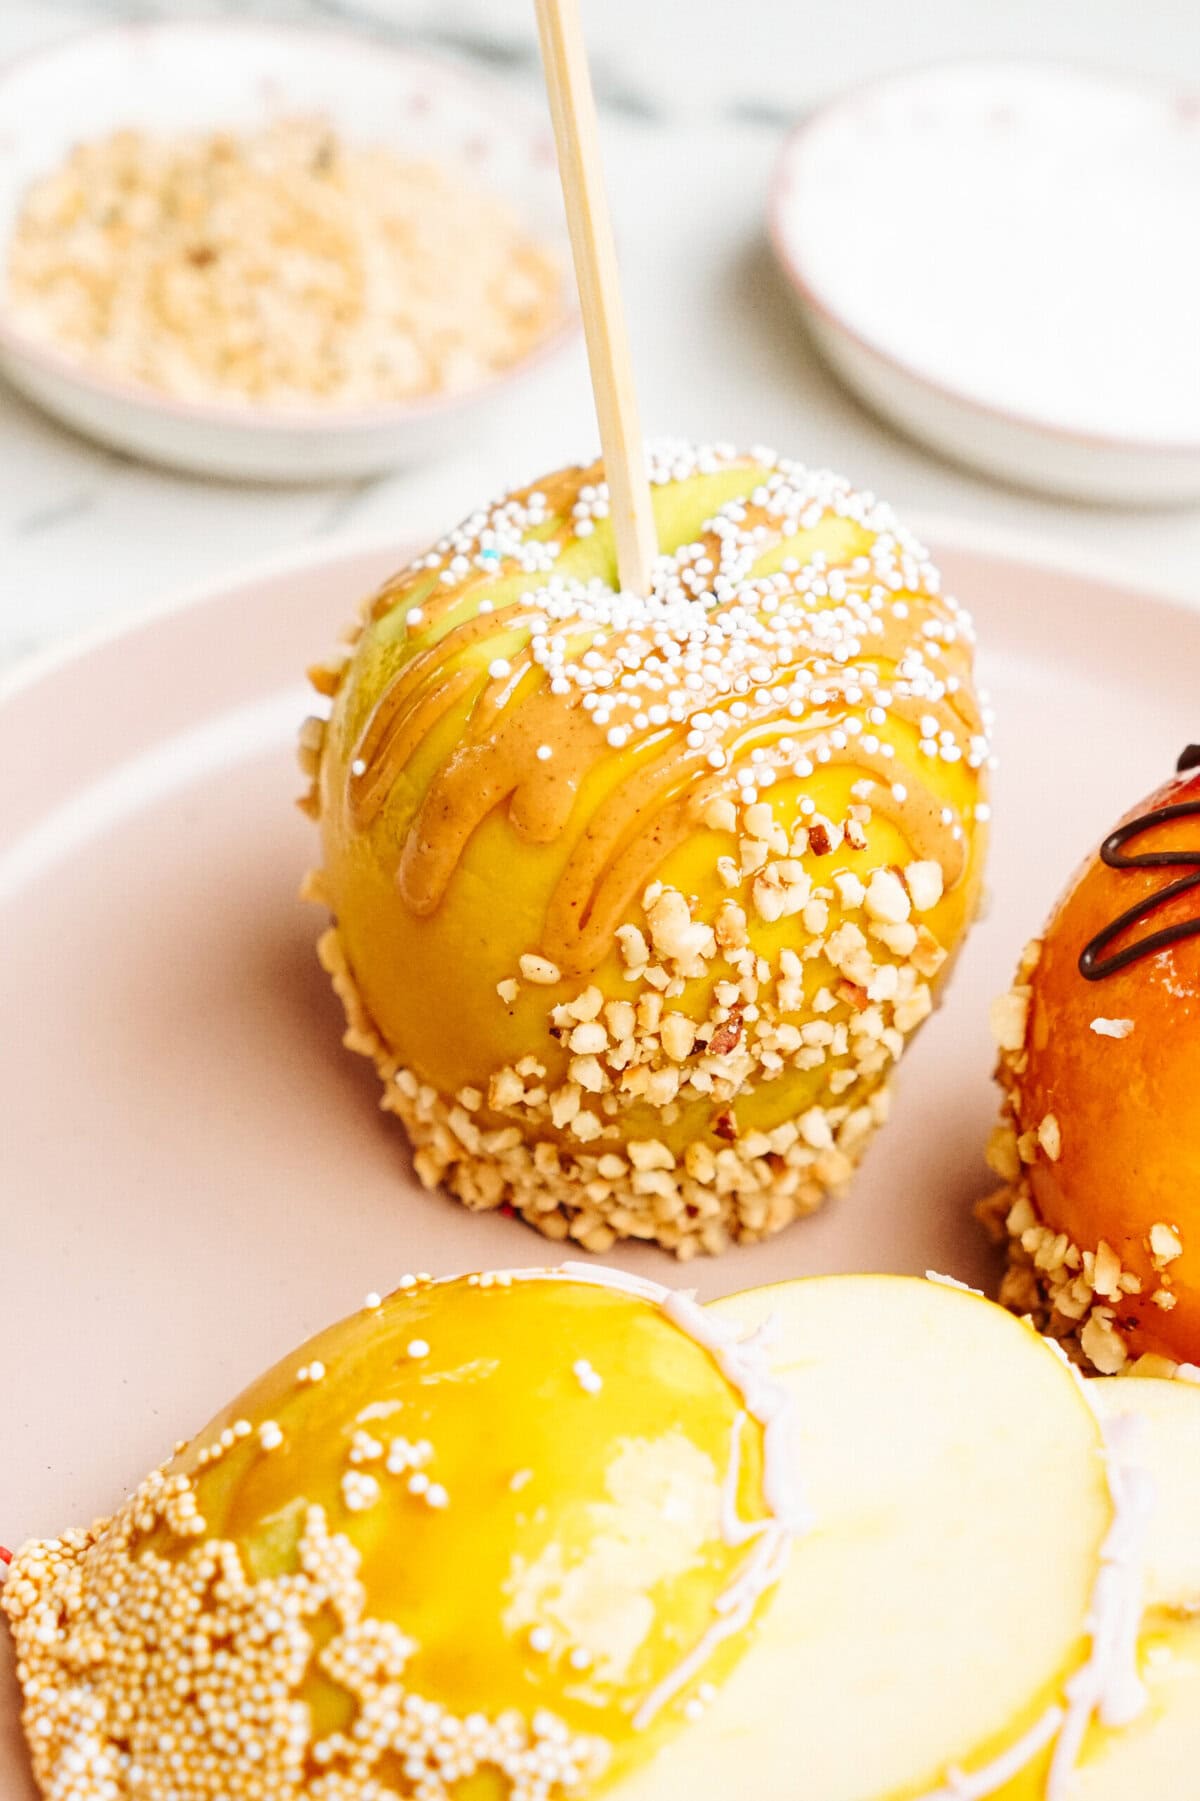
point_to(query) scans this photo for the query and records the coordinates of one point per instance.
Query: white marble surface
(697, 95)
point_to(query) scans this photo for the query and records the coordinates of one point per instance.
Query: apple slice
(934, 1614)
(1168, 1447)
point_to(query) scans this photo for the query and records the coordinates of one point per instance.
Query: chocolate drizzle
(1093, 964)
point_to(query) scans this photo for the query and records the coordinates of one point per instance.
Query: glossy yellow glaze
(592, 1515)
(952, 1468)
(1157, 1754)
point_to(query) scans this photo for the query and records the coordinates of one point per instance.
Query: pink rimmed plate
(195, 1175)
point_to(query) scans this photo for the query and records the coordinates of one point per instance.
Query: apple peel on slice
(1166, 1442)
(926, 1629)
(1159, 1753)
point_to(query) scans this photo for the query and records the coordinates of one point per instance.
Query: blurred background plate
(177, 77)
(994, 256)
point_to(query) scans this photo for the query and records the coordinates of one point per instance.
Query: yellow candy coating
(466, 1538)
(636, 901)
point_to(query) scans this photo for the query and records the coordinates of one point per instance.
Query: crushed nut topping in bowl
(278, 267)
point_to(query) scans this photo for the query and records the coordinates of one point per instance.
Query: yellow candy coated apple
(637, 898)
(541, 1536)
(459, 1543)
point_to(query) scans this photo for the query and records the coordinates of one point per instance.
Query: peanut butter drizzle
(657, 806)
(386, 742)
(483, 773)
(403, 715)
(393, 588)
(618, 853)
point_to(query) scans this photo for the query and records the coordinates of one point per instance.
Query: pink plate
(196, 1175)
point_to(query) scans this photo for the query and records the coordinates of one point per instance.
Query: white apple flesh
(937, 1609)
(1166, 1442)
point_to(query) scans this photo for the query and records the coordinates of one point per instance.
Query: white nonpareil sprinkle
(1112, 1028)
(710, 637)
(587, 1378)
(311, 1372)
(404, 1455)
(359, 1491)
(270, 1435)
(239, 1651)
(372, 1301)
(541, 1640)
(365, 1447)
(417, 1348)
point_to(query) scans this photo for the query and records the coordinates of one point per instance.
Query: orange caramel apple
(1100, 1063)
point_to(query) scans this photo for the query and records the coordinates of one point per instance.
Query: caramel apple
(637, 898)
(548, 1535)
(1099, 1061)
(459, 1544)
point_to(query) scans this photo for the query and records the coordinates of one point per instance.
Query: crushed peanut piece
(1050, 1137)
(540, 970)
(924, 881)
(1009, 1016)
(1102, 1343)
(886, 899)
(1165, 1244)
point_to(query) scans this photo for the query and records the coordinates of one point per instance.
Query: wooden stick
(573, 111)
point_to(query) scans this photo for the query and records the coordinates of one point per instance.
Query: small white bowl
(171, 77)
(993, 255)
